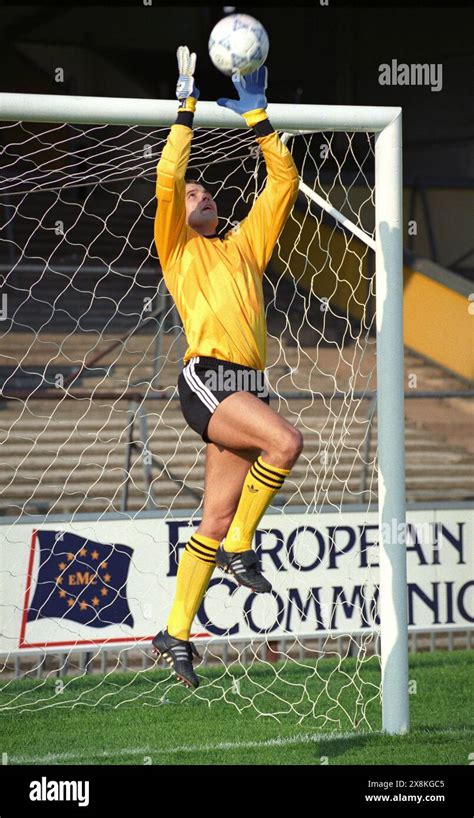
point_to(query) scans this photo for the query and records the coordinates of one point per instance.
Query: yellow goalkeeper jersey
(216, 283)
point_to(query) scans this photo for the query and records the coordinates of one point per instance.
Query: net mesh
(91, 347)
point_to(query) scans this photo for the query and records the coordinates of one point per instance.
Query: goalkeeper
(216, 284)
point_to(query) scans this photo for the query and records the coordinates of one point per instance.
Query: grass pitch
(286, 713)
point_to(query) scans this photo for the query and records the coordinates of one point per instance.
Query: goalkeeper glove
(252, 99)
(185, 87)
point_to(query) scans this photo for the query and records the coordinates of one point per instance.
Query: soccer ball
(238, 42)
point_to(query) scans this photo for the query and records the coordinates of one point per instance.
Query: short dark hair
(191, 180)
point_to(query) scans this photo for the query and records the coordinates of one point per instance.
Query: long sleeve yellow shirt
(217, 283)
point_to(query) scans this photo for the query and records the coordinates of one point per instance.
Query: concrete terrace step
(113, 413)
(84, 502)
(427, 452)
(98, 481)
(106, 439)
(178, 451)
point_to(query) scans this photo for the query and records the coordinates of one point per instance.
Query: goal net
(102, 480)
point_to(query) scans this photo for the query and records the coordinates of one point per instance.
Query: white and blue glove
(252, 98)
(186, 66)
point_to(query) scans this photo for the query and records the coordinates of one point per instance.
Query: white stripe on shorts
(200, 384)
(198, 387)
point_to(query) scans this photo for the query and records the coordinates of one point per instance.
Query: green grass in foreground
(285, 713)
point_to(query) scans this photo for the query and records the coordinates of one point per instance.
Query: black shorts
(205, 382)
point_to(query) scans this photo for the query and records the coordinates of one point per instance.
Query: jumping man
(216, 284)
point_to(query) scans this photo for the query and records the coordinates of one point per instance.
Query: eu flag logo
(81, 580)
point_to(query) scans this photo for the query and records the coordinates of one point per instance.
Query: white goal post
(385, 123)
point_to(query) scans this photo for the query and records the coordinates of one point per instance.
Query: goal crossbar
(162, 113)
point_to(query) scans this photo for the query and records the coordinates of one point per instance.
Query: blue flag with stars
(81, 580)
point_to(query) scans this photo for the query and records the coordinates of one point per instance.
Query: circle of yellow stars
(94, 575)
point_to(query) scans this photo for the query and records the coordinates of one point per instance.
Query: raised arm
(259, 231)
(170, 219)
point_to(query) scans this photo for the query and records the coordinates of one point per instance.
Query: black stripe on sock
(195, 553)
(272, 477)
(208, 548)
(263, 481)
(269, 469)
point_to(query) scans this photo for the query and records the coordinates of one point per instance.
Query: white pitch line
(187, 748)
(302, 738)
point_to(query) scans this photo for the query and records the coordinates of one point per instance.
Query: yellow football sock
(261, 484)
(194, 572)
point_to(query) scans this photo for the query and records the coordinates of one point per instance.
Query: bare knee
(293, 444)
(286, 450)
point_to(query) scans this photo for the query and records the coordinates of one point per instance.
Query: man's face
(201, 210)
